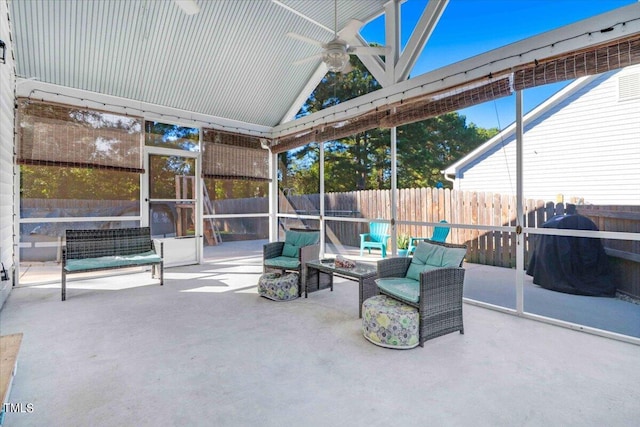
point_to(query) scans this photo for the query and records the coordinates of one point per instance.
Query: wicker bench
(92, 250)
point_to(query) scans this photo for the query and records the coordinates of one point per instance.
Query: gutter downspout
(448, 178)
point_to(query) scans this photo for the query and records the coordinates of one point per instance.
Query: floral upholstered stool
(278, 287)
(389, 323)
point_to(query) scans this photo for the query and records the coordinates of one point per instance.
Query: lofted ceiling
(231, 66)
(232, 59)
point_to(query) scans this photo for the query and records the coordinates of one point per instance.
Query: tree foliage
(363, 161)
(60, 182)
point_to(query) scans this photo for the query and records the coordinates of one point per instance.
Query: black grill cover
(574, 265)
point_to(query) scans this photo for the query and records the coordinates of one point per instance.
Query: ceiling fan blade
(307, 59)
(306, 39)
(369, 50)
(189, 7)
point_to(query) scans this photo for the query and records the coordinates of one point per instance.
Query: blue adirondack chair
(376, 238)
(439, 235)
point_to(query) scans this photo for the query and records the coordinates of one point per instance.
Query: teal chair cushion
(290, 250)
(284, 262)
(429, 257)
(294, 240)
(401, 287)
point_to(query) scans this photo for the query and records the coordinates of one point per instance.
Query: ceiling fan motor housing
(336, 55)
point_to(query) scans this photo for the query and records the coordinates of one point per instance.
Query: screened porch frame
(609, 41)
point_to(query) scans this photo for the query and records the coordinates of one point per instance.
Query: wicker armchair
(437, 294)
(299, 247)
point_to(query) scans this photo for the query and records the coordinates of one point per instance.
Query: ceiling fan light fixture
(336, 59)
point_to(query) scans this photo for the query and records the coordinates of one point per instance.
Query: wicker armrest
(448, 281)
(272, 250)
(393, 267)
(158, 247)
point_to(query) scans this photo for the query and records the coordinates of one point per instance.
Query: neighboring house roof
(470, 159)
(581, 145)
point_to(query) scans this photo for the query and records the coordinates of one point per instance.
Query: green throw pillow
(308, 238)
(429, 257)
(290, 250)
(296, 239)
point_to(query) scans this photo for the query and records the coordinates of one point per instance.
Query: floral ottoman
(389, 323)
(278, 287)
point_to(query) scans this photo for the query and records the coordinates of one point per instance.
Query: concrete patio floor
(205, 350)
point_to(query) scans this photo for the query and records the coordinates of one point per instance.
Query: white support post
(392, 35)
(519, 208)
(199, 202)
(273, 197)
(322, 224)
(17, 216)
(394, 191)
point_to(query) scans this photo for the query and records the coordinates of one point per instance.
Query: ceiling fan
(335, 53)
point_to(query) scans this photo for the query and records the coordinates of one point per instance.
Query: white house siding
(586, 148)
(7, 79)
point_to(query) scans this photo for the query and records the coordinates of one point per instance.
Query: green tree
(363, 161)
(355, 162)
(426, 148)
(171, 136)
(59, 182)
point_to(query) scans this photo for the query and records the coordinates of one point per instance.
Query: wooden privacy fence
(623, 254)
(497, 248)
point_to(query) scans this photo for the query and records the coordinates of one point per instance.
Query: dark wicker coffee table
(319, 275)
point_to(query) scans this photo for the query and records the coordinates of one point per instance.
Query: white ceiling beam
(392, 39)
(619, 23)
(373, 63)
(304, 94)
(419, 38)
(350, 34)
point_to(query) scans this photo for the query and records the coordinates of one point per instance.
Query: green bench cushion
(402, 287)
(99, 263)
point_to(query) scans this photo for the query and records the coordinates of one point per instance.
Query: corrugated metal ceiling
(231, 60)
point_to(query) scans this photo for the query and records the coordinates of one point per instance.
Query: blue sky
(471, 27)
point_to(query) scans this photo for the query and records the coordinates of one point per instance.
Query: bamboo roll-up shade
(594, 60)
(53, 134)
(455, 99)
(333, 131)
(591, 61)
(402, 113)
(233, 156)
